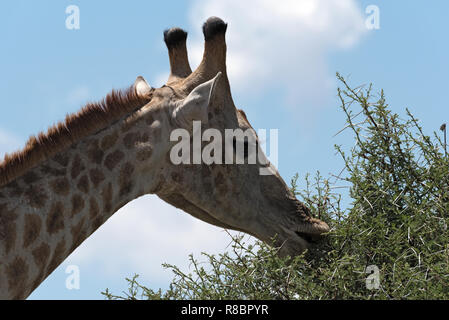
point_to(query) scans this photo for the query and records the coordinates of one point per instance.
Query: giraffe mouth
(313, 231)
(306, 237)
(309, 238)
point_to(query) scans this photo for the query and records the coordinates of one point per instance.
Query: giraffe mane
(92, 118)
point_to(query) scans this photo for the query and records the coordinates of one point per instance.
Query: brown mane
(90, 119)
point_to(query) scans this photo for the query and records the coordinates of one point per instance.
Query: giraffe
(69, 181)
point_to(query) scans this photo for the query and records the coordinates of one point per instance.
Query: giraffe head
(221, 190)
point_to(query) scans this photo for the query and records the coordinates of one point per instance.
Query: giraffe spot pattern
(36, 196)
(41, 254)
(32, 229)
(95, 154)
(14, 189)
(96, 176)
(113, 159)
(176, 177)
(17, 274)
(61, 159)
(50, 171)
(60, 186)
(78, 234)
(58, 256)
(8, 231)
(77, 167)
(77, 204)
(97, 223)
(83, 184)
(145, 137)
(109, 141)
(30, 177)
(131, 139)
(94, 210)
(107, 198)
(125, 179)
(55, 218)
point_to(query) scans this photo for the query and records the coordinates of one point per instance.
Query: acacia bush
(395, 223)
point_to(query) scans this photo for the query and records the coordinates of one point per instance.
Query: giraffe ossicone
(69, 181)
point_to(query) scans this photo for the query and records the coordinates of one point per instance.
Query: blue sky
(282, 60)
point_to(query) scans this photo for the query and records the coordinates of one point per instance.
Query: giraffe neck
(49, 211)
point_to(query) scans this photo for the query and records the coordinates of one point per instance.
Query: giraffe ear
(142, 87)
(195, 105)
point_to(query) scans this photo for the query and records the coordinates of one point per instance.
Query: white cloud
(281, 44)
